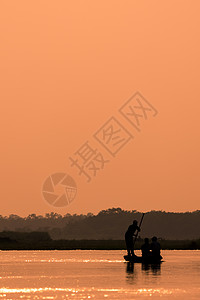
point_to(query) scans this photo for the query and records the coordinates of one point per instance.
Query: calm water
(97, 275)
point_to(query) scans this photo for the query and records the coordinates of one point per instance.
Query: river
(97, 275)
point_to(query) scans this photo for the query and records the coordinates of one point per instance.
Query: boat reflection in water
(133, 271)
(155, 268)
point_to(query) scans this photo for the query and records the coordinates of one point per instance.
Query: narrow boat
(139, 259)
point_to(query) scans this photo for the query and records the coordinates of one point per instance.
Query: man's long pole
(138, 231)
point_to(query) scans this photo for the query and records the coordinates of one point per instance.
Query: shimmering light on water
(97, 275)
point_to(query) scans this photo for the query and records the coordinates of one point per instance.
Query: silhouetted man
(145, 249)
(155, 249)
(129, 237)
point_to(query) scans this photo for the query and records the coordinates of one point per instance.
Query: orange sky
(66, 68)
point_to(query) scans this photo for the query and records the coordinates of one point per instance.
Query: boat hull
(139, 259)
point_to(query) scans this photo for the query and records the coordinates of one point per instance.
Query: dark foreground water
(97, 275)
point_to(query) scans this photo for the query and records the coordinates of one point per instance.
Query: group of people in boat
(150, 251)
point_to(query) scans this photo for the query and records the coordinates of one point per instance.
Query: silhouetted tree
(107, 224)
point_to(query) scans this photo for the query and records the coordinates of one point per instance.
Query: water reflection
(97, 274)
(130, 267)
(147, 269)
(155, 269)
(131, 276)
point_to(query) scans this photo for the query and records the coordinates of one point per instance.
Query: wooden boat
(140, 259)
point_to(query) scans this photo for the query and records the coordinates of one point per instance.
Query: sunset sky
(66, 67)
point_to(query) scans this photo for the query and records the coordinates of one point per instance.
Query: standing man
(129, 237)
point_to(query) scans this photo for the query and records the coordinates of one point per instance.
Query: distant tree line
(107, 224)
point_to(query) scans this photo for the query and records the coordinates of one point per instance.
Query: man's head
(154, 239)
(135, 222)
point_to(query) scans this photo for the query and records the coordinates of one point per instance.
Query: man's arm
(138, 229)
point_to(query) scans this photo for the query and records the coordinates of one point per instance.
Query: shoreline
(8, 244)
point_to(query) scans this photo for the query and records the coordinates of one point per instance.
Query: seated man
(155, 249)
(145, 249)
